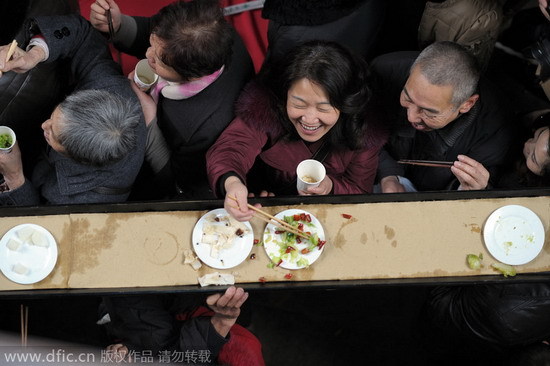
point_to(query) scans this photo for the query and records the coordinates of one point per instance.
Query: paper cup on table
(310, 174)
(144, 76)
(7, 139)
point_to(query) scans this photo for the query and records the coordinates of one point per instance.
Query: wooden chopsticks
(432, 163)
(11, 50)
(110, 23)
(264, 216)
(24, 324)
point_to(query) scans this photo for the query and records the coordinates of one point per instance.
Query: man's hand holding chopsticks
(20, 61)
(470, 173)
(99, 18)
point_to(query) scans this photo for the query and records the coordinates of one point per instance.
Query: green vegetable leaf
(505, 269)
(474, 261)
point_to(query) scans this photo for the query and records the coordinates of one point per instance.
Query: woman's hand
(148, 105)
(324, 188)
(543, 5)
(98, 15)
(239, 208)
(227, 308)
(470, 173)
(11, 168)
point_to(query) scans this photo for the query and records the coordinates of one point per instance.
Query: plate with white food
(513, 235)
(289, 251)
(28, 253)
(220, 241)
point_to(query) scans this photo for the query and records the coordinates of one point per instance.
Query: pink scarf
(178, 91)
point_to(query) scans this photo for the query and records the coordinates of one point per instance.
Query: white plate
(39, 260)
(513, 234)
(273, 249)
(229, 257)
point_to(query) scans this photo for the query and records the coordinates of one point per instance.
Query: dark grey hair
(98, 127)
(448, 63)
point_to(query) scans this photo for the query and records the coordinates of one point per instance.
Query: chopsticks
(264, 216)
(110, 22)
(11, 50)
(24, 324)
(432, 163)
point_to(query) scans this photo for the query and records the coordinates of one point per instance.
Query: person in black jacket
(203, 65)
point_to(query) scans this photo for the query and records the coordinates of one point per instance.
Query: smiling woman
(303, 107)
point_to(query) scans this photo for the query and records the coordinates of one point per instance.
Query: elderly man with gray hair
(447, 113)
(96, 136)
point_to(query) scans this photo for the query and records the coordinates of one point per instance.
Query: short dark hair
(98, 127)
(339, 72)
(197, 39)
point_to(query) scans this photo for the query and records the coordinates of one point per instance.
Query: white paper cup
(310, 174)
(144, 76)
(6, 131)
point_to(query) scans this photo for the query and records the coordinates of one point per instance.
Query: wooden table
(394, 237)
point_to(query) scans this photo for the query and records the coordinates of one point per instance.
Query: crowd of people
(210, 128)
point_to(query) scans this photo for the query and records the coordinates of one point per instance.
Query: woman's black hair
(340, 73)
(197, 39)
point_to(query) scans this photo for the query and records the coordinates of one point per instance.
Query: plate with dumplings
(28, 253)
(220, 241)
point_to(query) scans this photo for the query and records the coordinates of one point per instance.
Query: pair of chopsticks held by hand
(264, 216)
(24, 324)
(432, 163)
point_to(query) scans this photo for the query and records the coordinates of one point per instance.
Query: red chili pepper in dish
(289, 249)
(346, 216)
(279, 231)
(308, 218)
(304, 251)
(300, 226)
(296, 217)
(280, 261)
(303, 216)
(321, 243)
(288, 276)
(298, 240)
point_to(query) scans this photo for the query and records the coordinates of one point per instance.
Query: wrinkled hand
(11, 168)
(21, 61)
(227, 308)
(324, 188)
(543, 4)
(390, 184)
(117, 353)
(148, 105)
(238, 209)
(98, 15)
(470, 173)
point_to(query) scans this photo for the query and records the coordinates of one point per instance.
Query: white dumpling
(20, 269)
(13, 244)
(25, 233)
(39, 239)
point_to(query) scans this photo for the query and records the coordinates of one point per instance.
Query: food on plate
(13, 244)
(217, 278)
(25, 233)
(20, 269)
(474, 261)
(39, 239)
(293, 248)
(220, 232)
(505, 269)
(191, 259)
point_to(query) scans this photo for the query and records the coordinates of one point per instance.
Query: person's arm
(16, 189)
(235, 151)
(388, 172)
